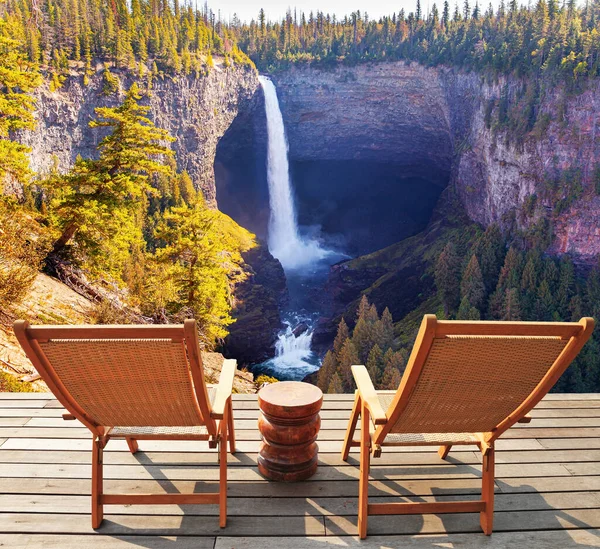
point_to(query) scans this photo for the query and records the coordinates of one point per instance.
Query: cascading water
(285, 242)
(304, 261)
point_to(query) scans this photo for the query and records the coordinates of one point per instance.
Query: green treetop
(18, 78)
(99, 199)
(191, 277)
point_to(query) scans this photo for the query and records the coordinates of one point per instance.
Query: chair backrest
(480, 377)
(129, 376)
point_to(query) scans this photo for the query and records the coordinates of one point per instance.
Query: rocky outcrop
(258, 300)
(196, 111)
(495, 174)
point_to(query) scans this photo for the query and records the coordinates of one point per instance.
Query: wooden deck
(548, 486)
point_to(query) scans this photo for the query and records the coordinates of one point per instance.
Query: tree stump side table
(289, 423)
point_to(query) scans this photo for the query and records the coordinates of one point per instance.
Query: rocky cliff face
(495, 175)
(196, 111)
(389, 113)
(433, 120)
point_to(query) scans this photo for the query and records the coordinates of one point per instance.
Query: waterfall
(285, 242)
(291, 348)
(305, 263)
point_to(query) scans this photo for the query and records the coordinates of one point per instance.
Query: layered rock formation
(389, 113)
(196, 111)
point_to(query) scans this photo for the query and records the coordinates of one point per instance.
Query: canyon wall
(389, 113)
(196, 111)
(437, 120)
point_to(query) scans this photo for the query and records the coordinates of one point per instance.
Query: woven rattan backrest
(128, 376)
(480, 377)
(470, 384)
(127, 382)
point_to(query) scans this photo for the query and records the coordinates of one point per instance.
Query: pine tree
(472, 287)
(375, 364)
(544, 306)
(363, 308)
(511, 272)
(99, 199)
(328, 368)
(342, 335)
(18, 78)
(191, 258)
(394, 368)
(511, 307)
(566, 287)
(447, 278)
(186, 188)
(361, 338)
(335, 386)
(387, 330)
(446, 14)
(467, 312)
(347, 358)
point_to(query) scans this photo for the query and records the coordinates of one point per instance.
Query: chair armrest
(224, 388)
(368, 394)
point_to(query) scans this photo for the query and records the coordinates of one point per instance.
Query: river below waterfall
(294, 359)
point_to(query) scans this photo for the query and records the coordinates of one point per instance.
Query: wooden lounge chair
(136, 383)
(465, 383)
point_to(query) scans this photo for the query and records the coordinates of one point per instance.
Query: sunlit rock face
(196, 111)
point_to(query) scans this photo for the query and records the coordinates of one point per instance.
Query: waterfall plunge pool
(294, 358)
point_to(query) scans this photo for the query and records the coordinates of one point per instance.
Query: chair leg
(444, 450)
(231, 429)
(97, 508)
(351, 428)
(363, 486)
(223, 470)
(486, 517)
(132, 444)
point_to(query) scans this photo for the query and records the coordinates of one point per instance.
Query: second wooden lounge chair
(136, 383)
(465, 383)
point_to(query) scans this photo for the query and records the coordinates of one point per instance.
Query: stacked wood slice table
(289, 423)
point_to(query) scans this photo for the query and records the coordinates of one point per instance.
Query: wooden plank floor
(548, 486)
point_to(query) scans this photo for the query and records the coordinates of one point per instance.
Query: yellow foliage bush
(23, 246)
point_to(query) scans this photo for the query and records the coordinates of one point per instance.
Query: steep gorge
(373, 148)
(443, 126)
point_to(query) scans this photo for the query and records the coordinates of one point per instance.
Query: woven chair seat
(195, 430)
(399, 439)
(184, 430)
(434, 439)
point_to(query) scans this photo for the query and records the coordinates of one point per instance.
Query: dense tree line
(488, 281)
(561, 39)
(486, 277)
(371, 342)
(141, 35)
